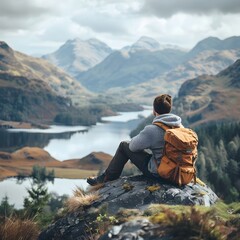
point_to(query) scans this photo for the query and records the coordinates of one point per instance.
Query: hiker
(137, 150)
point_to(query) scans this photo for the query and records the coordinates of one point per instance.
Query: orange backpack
(179, 155)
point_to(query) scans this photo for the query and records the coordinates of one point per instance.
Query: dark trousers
(123, 154)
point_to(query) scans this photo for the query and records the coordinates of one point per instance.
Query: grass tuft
(13, 228)
(80, 200)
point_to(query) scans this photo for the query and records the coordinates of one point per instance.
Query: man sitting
(150, 138)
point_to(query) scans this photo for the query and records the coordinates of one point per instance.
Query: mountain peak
(77, 55)
(6, 55)
(146, 43)
(91, 41)
(4, 45)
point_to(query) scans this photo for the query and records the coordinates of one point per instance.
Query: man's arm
(142, 140)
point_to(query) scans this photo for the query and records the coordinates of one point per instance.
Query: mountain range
(208, 60)
(145, 68)
(135, 73)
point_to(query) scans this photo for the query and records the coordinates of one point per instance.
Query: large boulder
(135, 192)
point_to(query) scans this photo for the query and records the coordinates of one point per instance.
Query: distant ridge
(214, 43)
(148, 43)
(141, 75)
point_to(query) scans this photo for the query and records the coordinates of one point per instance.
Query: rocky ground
(116, 200)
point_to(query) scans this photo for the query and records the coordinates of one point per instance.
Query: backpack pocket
(171, 171)
(166, 168)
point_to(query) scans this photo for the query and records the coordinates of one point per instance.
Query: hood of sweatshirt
(169, 119)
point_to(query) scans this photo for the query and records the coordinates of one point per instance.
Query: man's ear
(154, 113)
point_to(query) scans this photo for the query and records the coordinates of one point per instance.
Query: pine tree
(37, 199)
(222, 154)
(201, 166)
(6, 209)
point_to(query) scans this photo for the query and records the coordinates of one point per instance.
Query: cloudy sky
(41, 26)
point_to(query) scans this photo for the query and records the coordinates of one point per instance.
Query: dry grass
(80, 200)
(13, 229)
(72, 173)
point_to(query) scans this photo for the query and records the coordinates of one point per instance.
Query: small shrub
(103, 222)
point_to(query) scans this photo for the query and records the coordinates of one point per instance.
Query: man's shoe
(97, 180)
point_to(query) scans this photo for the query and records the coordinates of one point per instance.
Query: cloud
(101, 22)
(24, 14)
(104, 16)
(21, 9)
(168, 8)
(43, 25)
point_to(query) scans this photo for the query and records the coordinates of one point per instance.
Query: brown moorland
(22, 161)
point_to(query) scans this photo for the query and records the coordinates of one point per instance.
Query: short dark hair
(162, 104)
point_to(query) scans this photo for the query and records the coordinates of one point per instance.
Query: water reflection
(11, 141)
(63, 142)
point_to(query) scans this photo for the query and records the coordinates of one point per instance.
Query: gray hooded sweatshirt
(152, 138)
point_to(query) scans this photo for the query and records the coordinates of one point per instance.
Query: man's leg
(123, 154)
(115, 167)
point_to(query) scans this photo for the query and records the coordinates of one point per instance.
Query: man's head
(162, 104)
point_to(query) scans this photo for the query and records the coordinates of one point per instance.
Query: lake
(66, 142)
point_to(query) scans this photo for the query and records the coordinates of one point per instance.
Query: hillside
(76, 55)
(21, 162)
(33, 90)
(128, 68)
(21, 65)
(207, 62)
(28, 100)
(211, 98)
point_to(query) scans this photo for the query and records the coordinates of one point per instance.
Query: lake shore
(20, 125)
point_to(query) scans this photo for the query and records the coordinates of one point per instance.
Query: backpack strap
(162, 125)
(166, 127)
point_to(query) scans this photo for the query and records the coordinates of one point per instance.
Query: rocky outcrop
(135, 192)
(138, 192)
